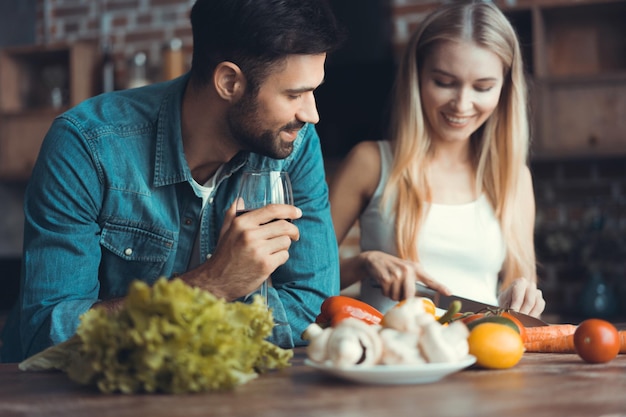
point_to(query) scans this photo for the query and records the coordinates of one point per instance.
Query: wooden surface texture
(540, 385)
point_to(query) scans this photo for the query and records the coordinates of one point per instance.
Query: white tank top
(460, 245)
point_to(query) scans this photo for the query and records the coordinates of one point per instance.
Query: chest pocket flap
(134, 244)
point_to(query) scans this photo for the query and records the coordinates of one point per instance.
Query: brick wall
(129, 26)
(581, 230)
(132, 26)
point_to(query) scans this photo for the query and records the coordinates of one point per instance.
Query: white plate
(394, 374)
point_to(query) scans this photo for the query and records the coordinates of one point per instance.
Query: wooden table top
(540, 385)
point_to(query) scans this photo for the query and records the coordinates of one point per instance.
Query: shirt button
(211, 200)
(188, 221)
(208, 255)
(128, 251)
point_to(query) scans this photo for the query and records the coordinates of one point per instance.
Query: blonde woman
(448, 199)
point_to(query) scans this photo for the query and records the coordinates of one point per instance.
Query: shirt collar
(170, 164)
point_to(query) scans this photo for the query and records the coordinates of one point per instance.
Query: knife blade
(443, 301)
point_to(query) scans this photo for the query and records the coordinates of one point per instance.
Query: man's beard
(246, 129)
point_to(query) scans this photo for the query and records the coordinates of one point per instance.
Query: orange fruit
(495, 345)
(429, 305)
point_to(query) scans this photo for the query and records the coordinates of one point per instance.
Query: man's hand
(249, 249)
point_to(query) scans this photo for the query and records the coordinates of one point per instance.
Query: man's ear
(229, 81)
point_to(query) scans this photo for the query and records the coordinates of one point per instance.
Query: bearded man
(141, 183)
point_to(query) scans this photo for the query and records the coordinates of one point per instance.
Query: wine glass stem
(264, 292)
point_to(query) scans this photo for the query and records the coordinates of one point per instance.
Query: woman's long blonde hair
(500, 146)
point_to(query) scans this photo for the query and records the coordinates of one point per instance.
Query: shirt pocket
(129, 253)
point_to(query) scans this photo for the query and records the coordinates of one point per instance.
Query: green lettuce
(169, 338)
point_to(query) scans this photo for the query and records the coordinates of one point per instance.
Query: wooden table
(550, 385)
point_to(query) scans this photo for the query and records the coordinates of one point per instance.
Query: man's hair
(258, 34)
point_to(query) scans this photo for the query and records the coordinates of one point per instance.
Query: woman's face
(460, 84)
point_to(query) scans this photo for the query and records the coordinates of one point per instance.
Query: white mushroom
(318, 341)
(351, 342)
(354, 342)
(405, 317)
(400, 347)
(456, 334)
(444, 343)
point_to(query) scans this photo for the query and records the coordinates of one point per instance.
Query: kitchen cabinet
(36, 84)
(575, 53)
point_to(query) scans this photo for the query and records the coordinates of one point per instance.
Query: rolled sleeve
(61, 249)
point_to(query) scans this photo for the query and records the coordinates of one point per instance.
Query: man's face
(269, 122)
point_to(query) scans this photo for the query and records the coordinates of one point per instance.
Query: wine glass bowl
(260, 188)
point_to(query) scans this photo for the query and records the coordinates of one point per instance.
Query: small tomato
(520, 326)
(596, 341)
(472, 317)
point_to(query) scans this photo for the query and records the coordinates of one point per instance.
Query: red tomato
(471, 318)
(596, 341)
(520, 326)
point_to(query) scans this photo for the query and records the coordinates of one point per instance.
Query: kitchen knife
(467, 305)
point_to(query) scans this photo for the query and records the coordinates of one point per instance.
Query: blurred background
(56, 53)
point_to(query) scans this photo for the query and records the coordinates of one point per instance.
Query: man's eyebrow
(301, 90)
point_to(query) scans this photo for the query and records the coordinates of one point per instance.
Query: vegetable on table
(558, 344)
(349, 342)
(558, 338)
(407, 334)
(169, 338)
(444, 343)
(555, 338)
(336, 308)
(453, 309)
(596, 341)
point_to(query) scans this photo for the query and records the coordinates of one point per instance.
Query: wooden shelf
(36, 84)
(605, 78)
(575, 57)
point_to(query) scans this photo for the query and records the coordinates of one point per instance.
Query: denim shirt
(110, 201)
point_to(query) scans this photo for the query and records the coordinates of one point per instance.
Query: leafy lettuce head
(173, 338)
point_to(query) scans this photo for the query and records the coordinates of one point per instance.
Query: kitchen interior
(56, 53)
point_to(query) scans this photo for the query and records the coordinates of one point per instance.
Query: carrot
(553, 331)
(559, 344)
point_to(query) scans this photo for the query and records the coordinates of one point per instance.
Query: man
(140, 184)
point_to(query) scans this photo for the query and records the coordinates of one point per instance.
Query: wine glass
(260, 188)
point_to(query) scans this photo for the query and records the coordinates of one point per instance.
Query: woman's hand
(397, 277)
(523, 296)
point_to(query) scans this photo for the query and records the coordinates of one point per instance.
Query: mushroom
(400, 347)
(318, 340)
(405, 317)
(444, 343)
(351, 342)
